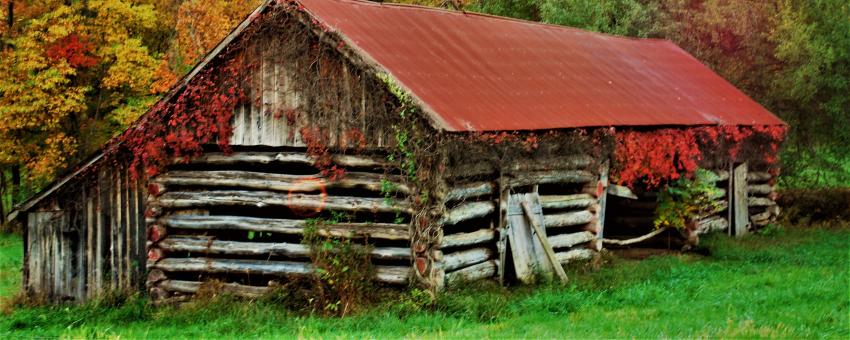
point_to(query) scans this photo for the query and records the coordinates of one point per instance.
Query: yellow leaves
(55, 152)
(132, 68)
(163, 78)
(202, 24)
(118, 20)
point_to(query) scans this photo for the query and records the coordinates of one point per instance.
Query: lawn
(790, 283)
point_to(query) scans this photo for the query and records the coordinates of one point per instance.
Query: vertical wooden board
(741, 209)
(527, 252)
(32, 254)
(97, 283)
(55, 241)
(730, 194)
(141, 230)
(127, 230)
(602, 192)
(117, 229)
(501, 245)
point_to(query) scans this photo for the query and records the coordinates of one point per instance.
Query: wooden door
(527, 253)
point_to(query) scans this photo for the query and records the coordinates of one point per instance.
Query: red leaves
(318, 150)
(657, 156)
(74, 49)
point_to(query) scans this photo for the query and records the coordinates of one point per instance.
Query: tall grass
(791, 283)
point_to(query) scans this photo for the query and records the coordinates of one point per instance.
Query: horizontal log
(386, 231)
(574, 255)
(218, 158)
(473, 273)
(760, 202)
(548, 177)
(568, 162)
(191, 287)
(193, 199)
(759, 189)
(465, 239)
(573, 218)
(387, 274)
(578, 201)
(621, 191)
(469, 190)
(468, 211)
(572, 239)
(465, 258)
(763, 216)
(712, 224)
(206, 245)
(756, 176)
(278, 182)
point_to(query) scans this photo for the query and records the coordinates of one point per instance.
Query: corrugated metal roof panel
(475, 72)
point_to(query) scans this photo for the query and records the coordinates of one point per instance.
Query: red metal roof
(474, 72)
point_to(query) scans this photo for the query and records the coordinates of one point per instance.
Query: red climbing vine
(657, 156)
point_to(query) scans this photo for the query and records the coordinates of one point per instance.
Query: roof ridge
(502, 18)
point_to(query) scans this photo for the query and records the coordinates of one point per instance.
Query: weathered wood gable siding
(87, 239)
(324, 91)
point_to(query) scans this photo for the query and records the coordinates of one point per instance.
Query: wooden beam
(207, 245)
(548, 177)
(386, 274)
(193, 199)
(218, 158)
(278, 182)
(465, 258)
(572, 239)
(469, 190)
(468, 211)
(574, 255)
(386, 231)
(473, 273)
(191, 287)
(577, 201)
(465, 239)
(573, 218)
(621, 191)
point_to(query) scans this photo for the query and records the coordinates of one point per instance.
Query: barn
(446, 146)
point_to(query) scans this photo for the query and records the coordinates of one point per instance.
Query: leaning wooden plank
(468, 211)
(193, 199)
(574, 255)
(465, 258)
(569, 240)
(469, 190)
(541, 236)
(205, 245)
(191, 287)
(473, 273)
(577, 201)
(217, 158)
(388, 274)
(760, 202)
(621, 191)
(465, 239)
(568, 219)
(546, 177)
(386, 231)
(759, 189)
(278, 182)
(756, 176)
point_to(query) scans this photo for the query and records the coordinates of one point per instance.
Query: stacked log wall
(240, 219)
(761, 199)
(473, 204)
(88, 239)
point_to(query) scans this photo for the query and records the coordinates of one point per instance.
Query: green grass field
(791, 283)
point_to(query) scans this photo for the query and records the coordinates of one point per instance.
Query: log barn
(453, 146)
